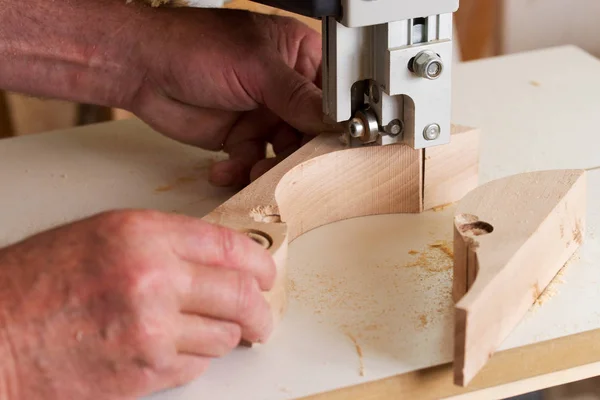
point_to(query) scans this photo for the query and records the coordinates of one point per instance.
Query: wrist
(87, 52)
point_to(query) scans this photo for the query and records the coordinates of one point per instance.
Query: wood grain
(512, 237)
(325, 182)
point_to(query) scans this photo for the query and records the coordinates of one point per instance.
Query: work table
(370, 312)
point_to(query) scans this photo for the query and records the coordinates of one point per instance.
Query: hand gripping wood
(325, 182)
(512, 236)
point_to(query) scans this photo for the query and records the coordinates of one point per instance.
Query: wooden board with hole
(512, 236)
(325, 182)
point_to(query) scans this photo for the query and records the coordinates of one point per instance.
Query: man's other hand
(126, 303)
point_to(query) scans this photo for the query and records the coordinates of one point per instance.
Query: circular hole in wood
(261, 238)
(477, 228)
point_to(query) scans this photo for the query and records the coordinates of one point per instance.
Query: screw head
(394, 128)
(356, 128)
(432, 132)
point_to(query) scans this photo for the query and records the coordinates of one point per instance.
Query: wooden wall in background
(478, 25)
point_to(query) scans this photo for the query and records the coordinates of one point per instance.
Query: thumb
(293, 97)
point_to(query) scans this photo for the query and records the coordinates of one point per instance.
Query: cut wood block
(324, 182)
(512, 236)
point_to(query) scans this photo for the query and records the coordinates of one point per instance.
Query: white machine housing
(374, 41)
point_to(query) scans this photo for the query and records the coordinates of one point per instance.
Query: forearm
(86, 51)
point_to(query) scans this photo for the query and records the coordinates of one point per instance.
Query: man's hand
(218, 79)
(233, 80)
(126, 303)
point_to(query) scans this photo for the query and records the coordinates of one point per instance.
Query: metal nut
(428, 64)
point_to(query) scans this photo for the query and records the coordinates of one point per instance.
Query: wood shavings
(535, 83)
(552, 288)
(437, 258)
(443, 246)
(442, 207)
(178, 182)
(360, 354)
(268, 214)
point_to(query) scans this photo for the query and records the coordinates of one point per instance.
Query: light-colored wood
(512, 237)
(478, 28)
(326, 182)
(451, 170)
(34, 115)
(261, 8)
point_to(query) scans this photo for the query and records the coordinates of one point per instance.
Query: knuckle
(299, 92)
(126, 223)
(152, 344)
(226, 243)
(247, 296)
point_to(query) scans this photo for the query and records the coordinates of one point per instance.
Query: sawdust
(200, 170)
(442, 207)
(552, 288)
(266, 214)
(423, 320)
(359, 353)
(438, 257)
(577, 233)
(178, 182)
(165, 188)
(413, 252)
(535, 83)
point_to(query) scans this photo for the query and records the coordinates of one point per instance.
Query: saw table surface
(370, 311)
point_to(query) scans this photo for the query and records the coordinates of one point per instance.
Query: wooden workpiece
(512, 236)
(326, 182)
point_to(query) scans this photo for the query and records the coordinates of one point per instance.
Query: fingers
(289, 94)
(206, 244)
(285, 141)
(229, 296)
(207, 337)
(186, 369)
(246, 145)
(197, 126)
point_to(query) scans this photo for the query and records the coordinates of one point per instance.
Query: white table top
(351, 279)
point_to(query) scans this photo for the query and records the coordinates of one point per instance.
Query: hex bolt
(428, 65)
(394, 128)
(432, 132)
(356, 128)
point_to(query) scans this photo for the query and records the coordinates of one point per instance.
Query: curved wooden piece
(512, 236)
(325, 182)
